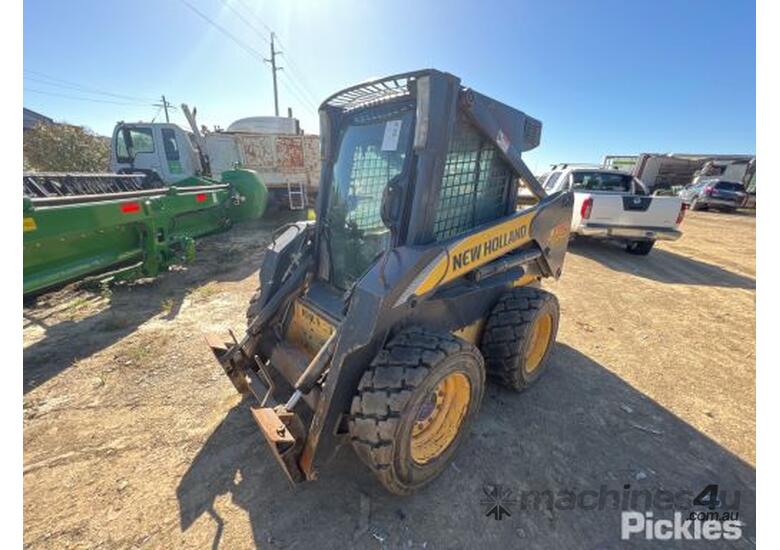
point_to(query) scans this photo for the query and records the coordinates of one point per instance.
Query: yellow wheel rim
(541, 334)
(439, 417)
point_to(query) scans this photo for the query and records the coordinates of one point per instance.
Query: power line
(67, 84)
(91, 99)
(43, 78)
(292, 66)
(223, 30)
(298, 97)
(165, 104)
(246, 47)
(302, 97)
(255, 16)
(247, 23)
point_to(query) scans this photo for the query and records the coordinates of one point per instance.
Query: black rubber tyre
(254, 307)
(639, 248)
(507, 336)
(392, 393)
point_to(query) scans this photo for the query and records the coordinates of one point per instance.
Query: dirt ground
(133, 437)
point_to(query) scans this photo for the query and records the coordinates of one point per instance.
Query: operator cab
(381, 185)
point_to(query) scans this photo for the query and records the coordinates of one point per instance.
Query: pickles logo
(488, 247)
(679, 527)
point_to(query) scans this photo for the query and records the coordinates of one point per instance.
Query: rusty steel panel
(282, 159)
(259, 152)
(311, 157)
(289, 153)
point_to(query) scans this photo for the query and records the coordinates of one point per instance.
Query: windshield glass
(373, 149)
(601, 181)
(729, 186)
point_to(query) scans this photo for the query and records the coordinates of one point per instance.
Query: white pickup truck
(610, 204)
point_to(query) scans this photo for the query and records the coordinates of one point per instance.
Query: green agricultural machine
(110, 227)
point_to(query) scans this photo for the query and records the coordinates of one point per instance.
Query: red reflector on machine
(130, 207)
(201, 197)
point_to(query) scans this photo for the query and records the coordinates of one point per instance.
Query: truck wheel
(519, 334)
(640, 248)
(696, 205)
(414, 405)
(254, 307)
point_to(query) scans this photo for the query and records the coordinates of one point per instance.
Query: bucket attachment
(284, 432)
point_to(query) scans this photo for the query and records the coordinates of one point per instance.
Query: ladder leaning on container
(296, 191)
(296, 194)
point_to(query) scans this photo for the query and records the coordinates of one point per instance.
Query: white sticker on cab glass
(392, 133)
(502, 141)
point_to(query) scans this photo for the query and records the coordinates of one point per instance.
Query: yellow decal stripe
(29, 225)
(478, 249)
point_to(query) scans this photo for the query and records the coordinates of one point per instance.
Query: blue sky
(605, 77)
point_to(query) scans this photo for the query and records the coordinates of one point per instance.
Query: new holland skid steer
(377, 324)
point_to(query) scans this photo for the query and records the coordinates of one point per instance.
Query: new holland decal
(476, 250)
(486, 248)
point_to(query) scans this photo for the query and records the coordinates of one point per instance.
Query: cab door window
(139, 140)
(170, 145)
(122, 155)
(172, 155)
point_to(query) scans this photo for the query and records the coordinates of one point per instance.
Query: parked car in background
(716, 193)
(610, 204)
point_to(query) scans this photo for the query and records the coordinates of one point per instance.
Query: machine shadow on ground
(581, 428)
(226, 257)
(660, 265)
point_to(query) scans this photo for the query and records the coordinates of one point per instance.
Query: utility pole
(165, 106)
(274, 69)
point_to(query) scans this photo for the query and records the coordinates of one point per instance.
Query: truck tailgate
(630, 210)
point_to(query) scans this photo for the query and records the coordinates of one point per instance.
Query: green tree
(65, 148)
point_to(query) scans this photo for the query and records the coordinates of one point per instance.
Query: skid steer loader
(377, 324)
